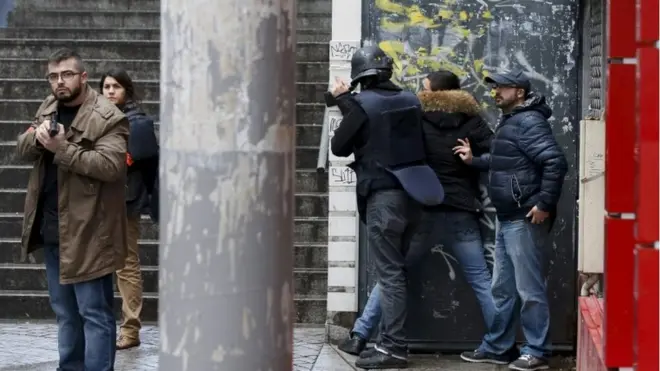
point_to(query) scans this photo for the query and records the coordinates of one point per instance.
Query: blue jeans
(458, 230)
(85, 319)
(519, 289)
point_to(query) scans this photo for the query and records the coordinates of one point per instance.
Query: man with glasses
(526, 174)
(74, 209)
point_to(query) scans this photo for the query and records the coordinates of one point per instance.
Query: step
(37, 88)
(93, 5)
(22, 109)
(81, 33)
(34, 305)
(307, 180)
(306, 255)
(141, 69)
(149, 90)
(118, 18)
(306, 157)
(304, 34)
(313, 34)
(154, 5)
(306, 135)
(306, 229)
(36, 67)
(32, 277)
(123, 49)
(306, 204)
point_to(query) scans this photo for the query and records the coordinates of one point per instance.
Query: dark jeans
(85, 319)
(459, 231)
(392, 220)
(519, 288)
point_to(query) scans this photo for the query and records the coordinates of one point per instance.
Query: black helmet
(369, 61)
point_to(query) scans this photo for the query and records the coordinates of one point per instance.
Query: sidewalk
(33, 347)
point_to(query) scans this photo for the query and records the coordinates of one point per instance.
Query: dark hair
(443, 80)
(64, 54)
(124, 80)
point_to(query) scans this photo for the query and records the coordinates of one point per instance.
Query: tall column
(227, 168)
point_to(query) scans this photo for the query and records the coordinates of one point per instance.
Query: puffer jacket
(450, 115)
(526, 165)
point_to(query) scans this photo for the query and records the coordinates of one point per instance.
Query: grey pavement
(33, 347)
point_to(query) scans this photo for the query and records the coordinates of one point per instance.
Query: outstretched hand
(463, 150)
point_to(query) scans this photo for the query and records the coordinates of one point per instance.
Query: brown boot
(125, 342)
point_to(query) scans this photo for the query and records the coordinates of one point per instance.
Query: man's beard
(75, 93)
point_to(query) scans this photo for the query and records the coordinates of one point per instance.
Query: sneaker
(378, 359)
(369, 352)
(528, 362)
(478, 356)
(353, 345)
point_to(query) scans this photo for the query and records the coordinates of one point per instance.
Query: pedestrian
(449, 114)
(77, 145)
(382, 128)
(526, 173)
(142, 163)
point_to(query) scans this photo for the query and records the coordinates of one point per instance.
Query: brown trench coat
(91, 185)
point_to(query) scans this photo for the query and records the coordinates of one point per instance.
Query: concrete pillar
(343, 221)
(227, 170)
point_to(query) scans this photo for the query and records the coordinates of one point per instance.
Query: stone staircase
(126, 33)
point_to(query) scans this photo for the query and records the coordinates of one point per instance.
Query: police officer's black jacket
(143, 150)
(527, 166)
(355, 134)
(450, 115)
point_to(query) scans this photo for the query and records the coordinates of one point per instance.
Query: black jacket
(353, 133)
(143, 152)
(448, 116)
(526, 165)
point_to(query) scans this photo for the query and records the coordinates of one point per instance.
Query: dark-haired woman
(142, 161)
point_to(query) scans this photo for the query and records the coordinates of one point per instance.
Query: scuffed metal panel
(472, 38)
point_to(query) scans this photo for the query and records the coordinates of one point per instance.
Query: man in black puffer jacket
(526, 173)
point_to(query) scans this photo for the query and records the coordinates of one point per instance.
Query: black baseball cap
(513, 79)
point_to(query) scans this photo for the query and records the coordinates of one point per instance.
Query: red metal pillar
(620, 183)
(647, 287)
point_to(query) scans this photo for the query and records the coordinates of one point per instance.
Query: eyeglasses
(66, 76)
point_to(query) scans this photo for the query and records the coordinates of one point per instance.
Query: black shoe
(512, 354)
(527, 362)
(369, 352)
(484, 357)
(375, 360)
(353, 345)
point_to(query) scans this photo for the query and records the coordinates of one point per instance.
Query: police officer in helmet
(382, 127)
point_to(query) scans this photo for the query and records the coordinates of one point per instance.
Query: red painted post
(647, 330)
(618, 291)
(620, 181)
(620, 136)
(647, 256)
(648, 186)
(621, 16)
(648, 30)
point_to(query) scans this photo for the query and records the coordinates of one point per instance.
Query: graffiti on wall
(470, 38)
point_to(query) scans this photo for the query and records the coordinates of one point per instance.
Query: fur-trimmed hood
(448, 108)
